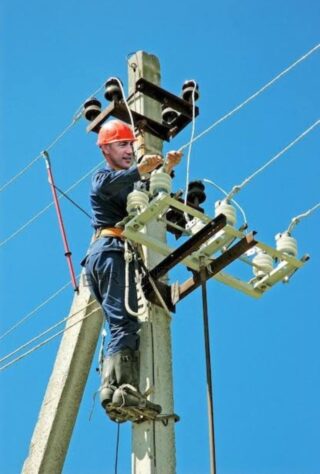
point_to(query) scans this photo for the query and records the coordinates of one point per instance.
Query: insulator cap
(196, 194)
(112, 91)
(187, 91)
(169, 115)
(91, 108)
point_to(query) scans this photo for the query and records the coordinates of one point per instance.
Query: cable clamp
(165, 418)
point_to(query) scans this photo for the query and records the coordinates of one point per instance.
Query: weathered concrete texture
(60, 406)
(153, 444)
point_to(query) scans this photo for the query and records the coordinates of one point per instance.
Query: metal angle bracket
(208, 246)
(164, 131)
(120, 111)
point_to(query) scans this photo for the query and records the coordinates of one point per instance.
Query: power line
(51, 328)
(26, 168)
(76, 117)
(229, 114)
(295, 220)
(36, 216)
(209, 181)
(253, 96)
(34, 311)
(25, 354)
(238, 187)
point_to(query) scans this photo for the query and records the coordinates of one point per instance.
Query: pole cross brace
(164, 131)
(187, 287)
(233, 253)
(175, 257)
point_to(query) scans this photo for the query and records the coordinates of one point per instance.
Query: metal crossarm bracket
(217, 265)
(164, 131)
(211, 246)
(120, 111)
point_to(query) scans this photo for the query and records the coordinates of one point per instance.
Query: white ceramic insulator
(265, 263)
(286, 244)
(223, 207)
(160, 182)
(137, 201)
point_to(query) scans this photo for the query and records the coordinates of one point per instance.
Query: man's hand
(149, 163)
(173, 158)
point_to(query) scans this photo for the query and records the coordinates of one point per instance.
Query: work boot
(108, 380)
(127, 397)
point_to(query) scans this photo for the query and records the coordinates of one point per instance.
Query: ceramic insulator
(265, 263)
(137, 201)
(286, 244)
(160, 182)
(223, 207)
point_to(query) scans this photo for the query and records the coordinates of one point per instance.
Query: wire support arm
(233, 253)
(192, 244)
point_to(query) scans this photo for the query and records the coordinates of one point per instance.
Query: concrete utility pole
(52, 434)
(153, 450)
(153, 443)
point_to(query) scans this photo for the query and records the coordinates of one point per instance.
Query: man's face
(119, 154)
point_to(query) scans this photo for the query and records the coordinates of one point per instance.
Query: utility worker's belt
(108, 232)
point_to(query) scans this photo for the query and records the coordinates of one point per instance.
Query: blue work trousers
(105, 274)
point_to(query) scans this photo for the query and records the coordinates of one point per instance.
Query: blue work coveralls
(105, 264)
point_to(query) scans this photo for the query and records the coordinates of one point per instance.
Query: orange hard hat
(115, 131)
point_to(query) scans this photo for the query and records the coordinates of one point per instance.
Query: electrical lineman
(106, 270)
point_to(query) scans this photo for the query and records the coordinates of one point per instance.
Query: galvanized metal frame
(254, 287)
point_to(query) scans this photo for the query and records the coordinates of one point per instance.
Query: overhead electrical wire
(295, 220)
(209, 181)
(254, 95)
(31, 313)
(39, 336)
(238, 187)
(26, 168)
(76, 117)
(46, 341)
(220, 120)
(36, 216)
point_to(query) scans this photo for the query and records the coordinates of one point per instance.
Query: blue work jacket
(108, 196)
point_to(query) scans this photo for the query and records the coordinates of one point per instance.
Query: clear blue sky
(266, 356)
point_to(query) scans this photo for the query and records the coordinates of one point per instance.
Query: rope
(238, 187)
(46, 341)
(295, 220)
(36, 216)
(35, 310)
(34, 339)
(253, 96)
